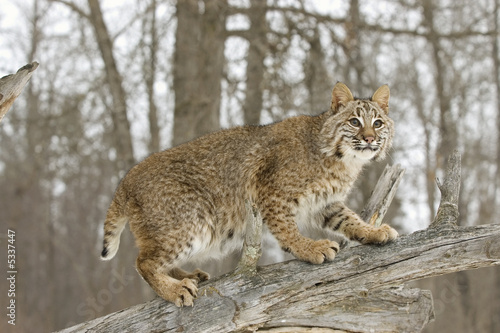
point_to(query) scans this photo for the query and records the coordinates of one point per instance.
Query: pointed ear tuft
(341, 95)
(381, 97)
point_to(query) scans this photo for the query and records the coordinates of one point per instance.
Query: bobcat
(188, 202)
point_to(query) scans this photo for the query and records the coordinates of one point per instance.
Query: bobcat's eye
(377, 123)
(355, 122)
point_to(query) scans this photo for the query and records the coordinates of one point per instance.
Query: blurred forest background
(119, 80)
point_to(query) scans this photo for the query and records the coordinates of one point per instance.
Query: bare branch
(74, 8)
(327, 19)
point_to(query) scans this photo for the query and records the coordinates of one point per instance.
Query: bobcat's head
(358, 128)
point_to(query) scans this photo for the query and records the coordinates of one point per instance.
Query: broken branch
(12, 85)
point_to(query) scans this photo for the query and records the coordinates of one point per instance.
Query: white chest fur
(311, 205)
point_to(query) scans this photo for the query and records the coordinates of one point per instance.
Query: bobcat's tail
(113, 227)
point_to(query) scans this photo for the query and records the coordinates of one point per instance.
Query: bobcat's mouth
(363, 146)
(367, 147)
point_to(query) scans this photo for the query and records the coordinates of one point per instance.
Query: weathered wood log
(12, 85)
(334, 295)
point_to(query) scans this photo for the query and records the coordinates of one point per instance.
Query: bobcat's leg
(338, 217)
(166, 241)
(281, 224)
(153, 269)
(198, 275)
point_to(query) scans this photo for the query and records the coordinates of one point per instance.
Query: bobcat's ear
(381, 97)
(341, 95)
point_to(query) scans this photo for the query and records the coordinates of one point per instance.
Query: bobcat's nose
(369, 139)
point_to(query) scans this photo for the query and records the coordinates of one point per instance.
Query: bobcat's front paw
(316, 252)
(198, 275)
(183, 293)
(379, 235)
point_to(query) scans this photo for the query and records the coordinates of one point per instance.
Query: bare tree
(317, 80)
(257, 51)
(447, 125)
(198, 64)
(123, 140)
(150, 73)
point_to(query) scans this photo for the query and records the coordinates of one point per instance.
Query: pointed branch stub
(12, 85)
(252, 249)
(447, 213)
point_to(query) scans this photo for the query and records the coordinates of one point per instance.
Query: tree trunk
(255, 62)
(316, 75)
(447, 127)
(185, 70)
(211, 61)
(122, 139)
(355, 65)
(198, 65)
(150, 69)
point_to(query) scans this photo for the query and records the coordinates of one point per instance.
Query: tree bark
(12, 85)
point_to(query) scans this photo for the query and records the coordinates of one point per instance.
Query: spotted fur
(188, 202)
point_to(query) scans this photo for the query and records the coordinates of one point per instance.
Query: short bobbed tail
(113, 227)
